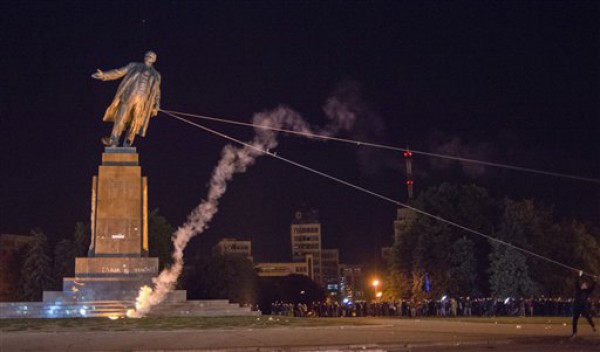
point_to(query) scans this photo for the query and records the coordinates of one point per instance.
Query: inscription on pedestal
(107, 266)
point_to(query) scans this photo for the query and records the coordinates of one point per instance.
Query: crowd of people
(445, 307)
(581, 305)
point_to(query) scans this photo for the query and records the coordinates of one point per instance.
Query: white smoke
(233, 160)
(460, 148)
(349, 109)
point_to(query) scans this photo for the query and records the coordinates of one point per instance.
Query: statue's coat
(139, 123)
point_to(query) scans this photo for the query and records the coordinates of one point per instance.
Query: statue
(137, 99)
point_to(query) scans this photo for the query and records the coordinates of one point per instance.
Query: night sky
(513, 82)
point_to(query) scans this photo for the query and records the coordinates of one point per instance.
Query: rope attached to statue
(177, 116)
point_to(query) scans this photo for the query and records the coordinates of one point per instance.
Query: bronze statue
(137, 99)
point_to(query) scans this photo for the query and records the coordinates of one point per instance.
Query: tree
(417, 289)
(462, 263)
(509, 276)
(429, 245)
(582, 247)
(222, 276)
(463, 269)
(509, 271)
(64, 261)
(586, 246)
(81, 239)
(401, 263)
(66, 250)
(159, 238)
(36, 273)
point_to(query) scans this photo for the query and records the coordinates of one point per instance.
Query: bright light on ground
(132, 313)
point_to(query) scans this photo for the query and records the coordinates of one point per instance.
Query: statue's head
(150, 57)
(584, 285)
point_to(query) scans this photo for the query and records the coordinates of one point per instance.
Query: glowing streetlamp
(375, 285)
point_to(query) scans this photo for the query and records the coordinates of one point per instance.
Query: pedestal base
(104, 288)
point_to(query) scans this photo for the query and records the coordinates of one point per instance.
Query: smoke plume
(349, 110)
(457, 147)
(233, 160)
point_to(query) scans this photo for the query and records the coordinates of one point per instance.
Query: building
(12, 250)
(330, 270)
(306, 240)
(231, 246)
(403, 221)
(386, 255)
(285, 269)
(352, 283)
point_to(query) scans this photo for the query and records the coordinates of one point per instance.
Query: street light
(375, 284)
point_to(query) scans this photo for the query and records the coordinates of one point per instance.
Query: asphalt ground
(381, 335)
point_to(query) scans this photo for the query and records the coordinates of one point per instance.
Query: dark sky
(514, 82)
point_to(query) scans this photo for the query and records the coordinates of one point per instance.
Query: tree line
(432, 259)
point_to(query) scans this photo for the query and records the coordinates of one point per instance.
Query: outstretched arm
(112, 74)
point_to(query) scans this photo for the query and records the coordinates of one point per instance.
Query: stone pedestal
(117, 264)
(119, 206)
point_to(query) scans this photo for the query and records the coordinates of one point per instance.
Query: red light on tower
(409, 180)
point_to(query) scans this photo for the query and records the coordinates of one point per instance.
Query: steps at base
(200, 308)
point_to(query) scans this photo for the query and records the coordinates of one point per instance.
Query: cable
(333, 178)
(382, 146)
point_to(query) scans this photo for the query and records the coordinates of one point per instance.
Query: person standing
(453, 307)
(468, 304)
(580, 303)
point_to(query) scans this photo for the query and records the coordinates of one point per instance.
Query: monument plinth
(119, 206)
(117, 264)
